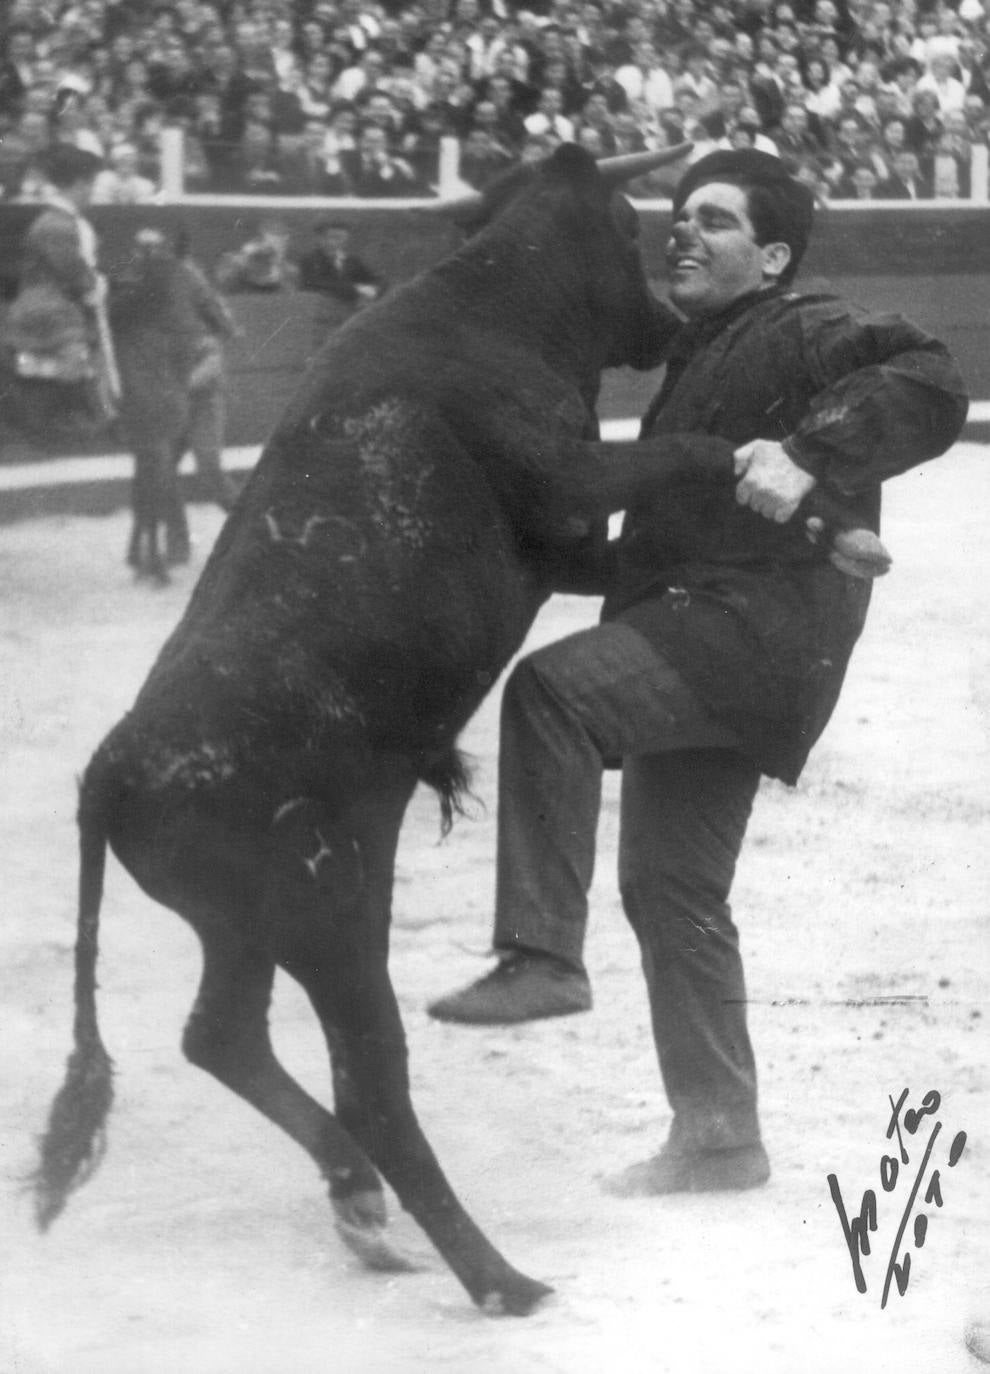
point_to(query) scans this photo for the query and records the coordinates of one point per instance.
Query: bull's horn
(616, 170)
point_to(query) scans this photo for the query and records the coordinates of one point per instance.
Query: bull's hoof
(360, 1223)
(516, 1297)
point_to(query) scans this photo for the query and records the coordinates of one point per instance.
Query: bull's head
(569, 210)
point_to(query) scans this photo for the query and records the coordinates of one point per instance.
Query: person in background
(329, 266)
(121, 183)
(207, 378)
(261, 264)
(905, 181)
(373, 171)
(720, 657)
(55, 333)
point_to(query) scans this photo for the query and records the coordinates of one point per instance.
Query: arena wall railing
(928, 259)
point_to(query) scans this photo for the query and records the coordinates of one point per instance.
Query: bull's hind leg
(329, 921)
(227, 1035)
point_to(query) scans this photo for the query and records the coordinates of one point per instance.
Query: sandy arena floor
(204, 1243)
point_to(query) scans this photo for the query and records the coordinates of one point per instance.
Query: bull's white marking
(287, 808)
(277, 536)
(323, 852)
(280, 535)
(208, 764)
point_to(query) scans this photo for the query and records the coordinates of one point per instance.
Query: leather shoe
(694, 1171)
(521, 987)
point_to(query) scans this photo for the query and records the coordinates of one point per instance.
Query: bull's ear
(570, 162)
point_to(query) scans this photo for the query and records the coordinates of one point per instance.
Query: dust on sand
(204, 1242)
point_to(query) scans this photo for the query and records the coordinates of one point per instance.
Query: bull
(431, 480)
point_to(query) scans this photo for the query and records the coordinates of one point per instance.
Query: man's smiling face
(712, 254)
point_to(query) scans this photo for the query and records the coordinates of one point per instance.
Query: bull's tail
(74, 1140)
(447, 772)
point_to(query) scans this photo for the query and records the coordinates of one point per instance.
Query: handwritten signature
(856, 1231)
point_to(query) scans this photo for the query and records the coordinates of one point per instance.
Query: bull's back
(367, 583)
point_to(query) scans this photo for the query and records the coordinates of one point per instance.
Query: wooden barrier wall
(930, 262)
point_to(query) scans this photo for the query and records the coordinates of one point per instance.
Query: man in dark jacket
(724, 642)
(330, 266)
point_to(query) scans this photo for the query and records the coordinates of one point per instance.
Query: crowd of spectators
(863, 98)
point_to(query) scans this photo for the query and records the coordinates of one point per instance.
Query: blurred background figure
(55, 341)
(215, 327)
(261, 264)
(330, 267)
(121, 183)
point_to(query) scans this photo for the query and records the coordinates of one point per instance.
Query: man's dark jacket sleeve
(753, 616)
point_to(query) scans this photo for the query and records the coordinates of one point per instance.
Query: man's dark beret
(784, 210)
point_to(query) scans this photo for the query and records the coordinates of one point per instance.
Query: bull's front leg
(367, 1020)
(598, 478)
(328, 926)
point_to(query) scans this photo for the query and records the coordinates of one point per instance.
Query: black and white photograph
(494, 699)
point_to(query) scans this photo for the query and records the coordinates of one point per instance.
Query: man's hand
(772, 484)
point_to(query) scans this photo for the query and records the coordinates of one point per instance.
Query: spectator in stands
(33, 136)
(600, 81)
(950, 165)
(905, 181)
(794, 136)
(16, 70)
(946, 87)
(483, 159)
(146, 135)
(121, 183)
(373, 171)
(510, 129)
(253, 169)
(595, 115)
(860, 184)
(893, 140)
(304, 163)
(924, 126)
(289, 57)
(362, 75)
(643, 78)
(548, 117)
(901, 78)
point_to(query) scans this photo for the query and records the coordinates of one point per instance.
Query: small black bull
(386, 559)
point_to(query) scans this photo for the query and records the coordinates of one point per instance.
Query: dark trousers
(598, 698)
(207, 422)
